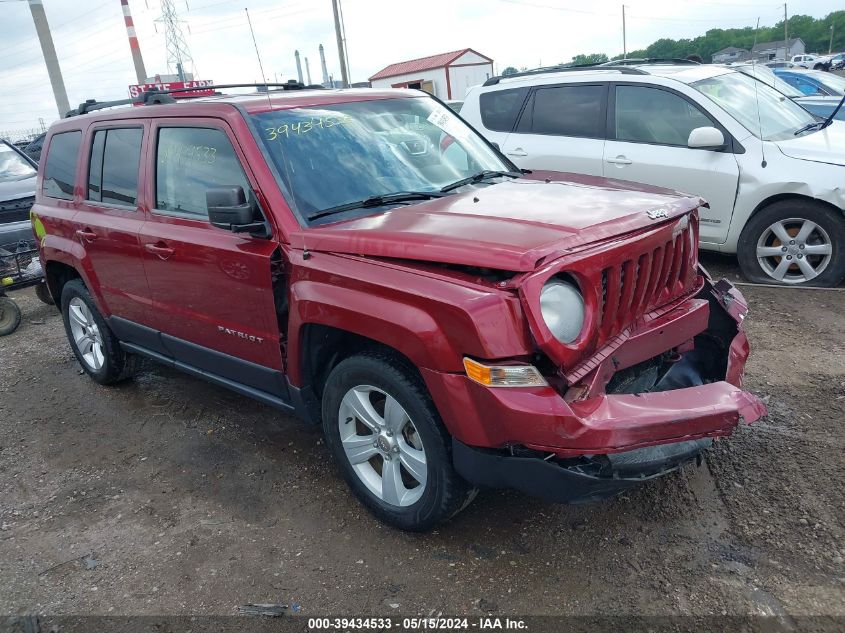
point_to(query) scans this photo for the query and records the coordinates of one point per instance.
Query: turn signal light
(503, 375)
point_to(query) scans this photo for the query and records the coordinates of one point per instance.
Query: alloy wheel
(794, 250)
(382, 445)
(86, 334)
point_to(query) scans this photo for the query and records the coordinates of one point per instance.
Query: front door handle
(160, 250)
(86, 235)
(619, 160)
(517, 152)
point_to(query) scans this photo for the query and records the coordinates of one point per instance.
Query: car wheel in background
(43, 294)
(96, 348)
(387, 438)
(794, 242)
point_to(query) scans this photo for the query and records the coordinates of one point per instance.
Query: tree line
(816, 34)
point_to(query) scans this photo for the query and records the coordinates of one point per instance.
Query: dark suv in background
(17, 194)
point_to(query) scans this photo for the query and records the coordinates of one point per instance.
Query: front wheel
(388, 440)
(794, 242)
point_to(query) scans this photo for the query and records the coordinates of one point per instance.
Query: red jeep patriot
(366, 260)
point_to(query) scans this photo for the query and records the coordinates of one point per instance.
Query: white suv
(774, 181)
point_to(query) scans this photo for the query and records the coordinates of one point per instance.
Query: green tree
(816, 34)
(592, 58)
(510, 70)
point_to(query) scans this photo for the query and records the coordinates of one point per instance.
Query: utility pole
(343, 73)
(785, 34)
(830, 46)
(624, 37)
(49, 51)
(134, 47)
(178, 53)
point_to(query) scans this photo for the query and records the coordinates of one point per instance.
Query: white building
(447, 75)
(778, 50)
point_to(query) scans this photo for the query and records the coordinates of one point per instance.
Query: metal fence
(22, 135)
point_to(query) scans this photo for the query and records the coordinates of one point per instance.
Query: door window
(651, 115)
(113, 169)
(60, 169)
(576, 110)
(190, 160)
(500, 108)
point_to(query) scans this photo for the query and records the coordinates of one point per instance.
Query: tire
(10, 316)
(776, 231)
(93, 343)
(388, 394)
(43, 294)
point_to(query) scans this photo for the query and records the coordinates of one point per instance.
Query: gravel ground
(166, 495)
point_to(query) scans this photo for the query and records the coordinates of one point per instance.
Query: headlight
(562, 307)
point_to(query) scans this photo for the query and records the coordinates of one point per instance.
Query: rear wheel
(96, 348)
(390, 444)
(794, 242)
(10, 316)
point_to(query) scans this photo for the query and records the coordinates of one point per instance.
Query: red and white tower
(133, 43)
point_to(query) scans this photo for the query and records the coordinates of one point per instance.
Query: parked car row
(770, 171)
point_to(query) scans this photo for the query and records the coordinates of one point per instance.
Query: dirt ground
(167, 495)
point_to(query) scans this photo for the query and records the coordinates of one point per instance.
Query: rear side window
(113, 170)
(651, 115)
(189, 161)
(500, 108)
(60, 168)
(576, 110)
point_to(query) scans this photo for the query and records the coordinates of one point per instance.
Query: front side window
(189, 161)
(336, 154)
(576, 110)
(763, 111)
(113, 170)
(651, 115)
(13, 166)
(60, 169)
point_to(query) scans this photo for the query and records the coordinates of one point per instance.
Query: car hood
(512, 225)
(14, 189)
(825, 146)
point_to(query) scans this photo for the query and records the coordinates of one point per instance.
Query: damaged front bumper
(606, 433)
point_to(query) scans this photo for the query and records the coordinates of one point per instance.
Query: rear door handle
(160, 250)
(517, 152)
(87, 235)
(619, 160)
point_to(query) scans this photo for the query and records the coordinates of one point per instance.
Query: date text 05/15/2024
(487, 623)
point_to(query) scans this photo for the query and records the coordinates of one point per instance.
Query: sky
(93, 49)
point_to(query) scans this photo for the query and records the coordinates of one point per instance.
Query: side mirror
(706, 138)
(229, 209)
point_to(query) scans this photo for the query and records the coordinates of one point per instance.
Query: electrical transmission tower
(178, 54)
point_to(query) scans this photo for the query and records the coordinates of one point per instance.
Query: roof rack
(637, 61)
(155, 96)
(625, 70)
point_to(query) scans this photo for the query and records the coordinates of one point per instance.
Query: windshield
(13, 166)
(338, 154)
(762, 110)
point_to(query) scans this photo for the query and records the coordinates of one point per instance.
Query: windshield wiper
(810, 126)
(377, 201)
(482, 175)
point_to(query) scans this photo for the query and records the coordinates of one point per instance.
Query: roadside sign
(137, 89)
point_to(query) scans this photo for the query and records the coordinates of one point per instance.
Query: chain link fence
(22, 135)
